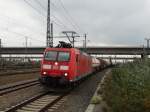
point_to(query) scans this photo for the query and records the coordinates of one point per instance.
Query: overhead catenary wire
(60, 24)
(74, 24)
(40, 4)
(45, 15)
(58, 20)
(21, 35)
(28, 3)
(75, 27)
(55, 19)
(13, 21)
(56, 23)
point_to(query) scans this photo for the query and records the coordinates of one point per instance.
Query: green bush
(128, 88)
(96, 100)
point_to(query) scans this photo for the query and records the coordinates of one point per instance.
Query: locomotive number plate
(55, 67)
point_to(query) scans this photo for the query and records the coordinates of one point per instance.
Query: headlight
(64, 67)
(47, 66)
(44, 73)
(66, 74)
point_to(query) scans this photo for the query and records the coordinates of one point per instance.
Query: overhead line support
(72, 35)
(49, 41)
(0, 46)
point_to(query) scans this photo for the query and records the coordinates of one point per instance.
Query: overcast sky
(107, 22)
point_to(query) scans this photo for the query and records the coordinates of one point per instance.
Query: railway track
(17, 67)
(45, 102)
(18, 86)
(18, 72)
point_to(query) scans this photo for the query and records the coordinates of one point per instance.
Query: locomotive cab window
(63, 56)
(50, 55)
(57, 56)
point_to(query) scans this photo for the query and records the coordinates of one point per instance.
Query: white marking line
(90, 108)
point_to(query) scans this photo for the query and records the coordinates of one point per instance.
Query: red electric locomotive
(64, 65)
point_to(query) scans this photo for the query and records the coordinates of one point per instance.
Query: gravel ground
(15, 97)
(18, 77)
(79, 99)
(15, 71)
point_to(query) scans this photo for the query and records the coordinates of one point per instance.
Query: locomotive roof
(60, 49)
(66, 49)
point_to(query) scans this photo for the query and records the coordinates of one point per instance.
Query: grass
(128, 88)
(96, 100)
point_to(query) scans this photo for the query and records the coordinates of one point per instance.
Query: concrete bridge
(90, 50)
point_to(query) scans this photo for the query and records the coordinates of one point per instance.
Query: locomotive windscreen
(57, 56)
(63, 56)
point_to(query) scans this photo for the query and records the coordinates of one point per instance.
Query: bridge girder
(90, 50)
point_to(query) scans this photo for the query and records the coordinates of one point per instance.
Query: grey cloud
(112, 21)
(107, 22)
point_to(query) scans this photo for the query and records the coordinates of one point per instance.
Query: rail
(18, 86)
(39, 103)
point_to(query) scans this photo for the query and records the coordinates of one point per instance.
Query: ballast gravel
(79, 99)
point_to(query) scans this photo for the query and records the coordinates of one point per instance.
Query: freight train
(63, 66)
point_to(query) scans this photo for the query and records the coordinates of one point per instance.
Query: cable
(52, 4)
(60, 22)
(40, 4)
(13, 21)
(44, 8)
(22, 35)
(34, 8)
(52, 15)
(69, 16)
(45, 16)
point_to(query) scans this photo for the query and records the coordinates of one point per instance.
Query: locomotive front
(55, 66)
